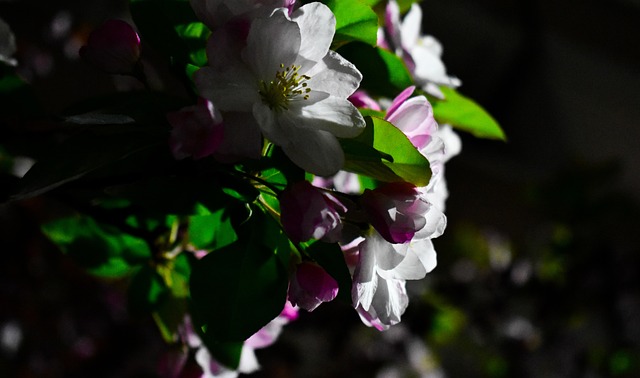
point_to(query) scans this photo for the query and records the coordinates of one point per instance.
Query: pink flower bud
(395, 210)
(197, 130)
(360, 99)
(113, 47)
(307, 212)
(311, 285)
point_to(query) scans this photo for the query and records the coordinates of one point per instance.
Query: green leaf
(370, 3)
(464, 114)
(238, 289)
(384, 153)
(383, 73)
(355, 21)
(101, 249)
(213, 231)
(331, 258)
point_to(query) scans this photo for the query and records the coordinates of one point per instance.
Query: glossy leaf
(101, 249)
(238, 289)
(384, 153)
(213, 231)
(464, 114)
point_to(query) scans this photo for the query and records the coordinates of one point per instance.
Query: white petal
(429, 67)
(436, 223)
(271, 128)
(272, 42)
(411, 25)
(425, 252)
(317, 27)
(232, 89)
(315, 151)
(390, 301)
(335, 115)
(365, 279)
(248, 361)
(452, 142)
(334, 75)
(410, 268)
(387, 256)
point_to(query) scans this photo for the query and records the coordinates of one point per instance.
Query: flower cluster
(290, 176)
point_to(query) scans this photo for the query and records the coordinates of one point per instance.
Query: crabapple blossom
(197, 130)
(293, 86)
(307, 212)
(422, 54)
(113, 47)
(311, 285)
(378, 292)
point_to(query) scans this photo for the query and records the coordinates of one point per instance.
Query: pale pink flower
(414, 117)
(422, 54)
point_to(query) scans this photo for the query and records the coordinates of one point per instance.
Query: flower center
(287, 86)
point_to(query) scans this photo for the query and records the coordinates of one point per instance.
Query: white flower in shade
(422, 54)
(378, 292)
(295, 87)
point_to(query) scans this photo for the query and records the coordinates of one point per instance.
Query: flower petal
(335, 115)
(436, 223)
(231, 89)
(272, 42)
(317, 27)
(334, 75)
(315, 151)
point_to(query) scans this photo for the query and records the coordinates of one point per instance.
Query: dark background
(538, 272)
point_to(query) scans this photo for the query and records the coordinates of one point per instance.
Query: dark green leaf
(331, 258)
(146, 291)
(384, 153)
(383, 72)
(464, 114)
(238, 289)
(102, 249)
(213, 231)
(171, 27)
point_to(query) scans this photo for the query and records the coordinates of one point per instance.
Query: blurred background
(538, 272)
